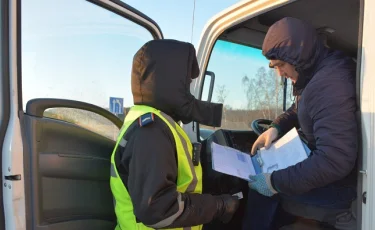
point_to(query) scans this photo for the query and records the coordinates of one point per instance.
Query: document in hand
(287, 151)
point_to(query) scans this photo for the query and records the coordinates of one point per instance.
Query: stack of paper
(287, 151)
(231, 161)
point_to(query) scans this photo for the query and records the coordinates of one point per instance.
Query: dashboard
(217, 183)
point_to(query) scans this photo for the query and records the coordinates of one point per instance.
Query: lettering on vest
(146, 119)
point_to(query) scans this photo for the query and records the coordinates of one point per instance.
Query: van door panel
(68, 174)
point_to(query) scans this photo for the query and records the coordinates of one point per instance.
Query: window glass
(86, 119)
(245, 84)
(79, 51)
(289, 94)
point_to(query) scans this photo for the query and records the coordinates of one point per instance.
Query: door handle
(13, 177)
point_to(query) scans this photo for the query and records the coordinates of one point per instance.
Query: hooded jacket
(161, 75)
(325, 108)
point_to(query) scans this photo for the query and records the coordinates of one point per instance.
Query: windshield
(245, 84)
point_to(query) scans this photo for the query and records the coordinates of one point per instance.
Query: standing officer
(156, 176)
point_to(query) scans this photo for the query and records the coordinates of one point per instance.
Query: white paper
(239, 195)
(231, 161)
(285, 152)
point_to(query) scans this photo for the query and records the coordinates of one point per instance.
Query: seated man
(324, 87)
(156, 180)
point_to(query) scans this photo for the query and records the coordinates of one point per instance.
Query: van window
(78, 56)
(245, 84)
(289, 98)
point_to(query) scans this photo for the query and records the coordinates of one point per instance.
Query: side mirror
(208, 86)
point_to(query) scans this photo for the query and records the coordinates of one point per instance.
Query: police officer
(156, 179)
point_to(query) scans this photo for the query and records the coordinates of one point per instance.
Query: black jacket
(324, 110)
(148, 168)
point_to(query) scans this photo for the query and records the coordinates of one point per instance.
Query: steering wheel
(259, 126)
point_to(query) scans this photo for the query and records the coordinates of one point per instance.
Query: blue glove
(262, 184)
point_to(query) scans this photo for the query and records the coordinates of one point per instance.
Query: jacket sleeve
(152, 183)
(332, 110)
(287, 120)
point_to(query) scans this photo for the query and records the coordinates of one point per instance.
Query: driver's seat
(341, 219)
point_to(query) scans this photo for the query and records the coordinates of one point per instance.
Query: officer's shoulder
(151, 124)
(150, 121)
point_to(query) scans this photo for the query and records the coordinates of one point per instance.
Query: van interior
(67, 167)
(338, 23)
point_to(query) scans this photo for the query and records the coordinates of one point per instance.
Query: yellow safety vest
(189, 178)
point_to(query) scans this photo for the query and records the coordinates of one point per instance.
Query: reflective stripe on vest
(189, 179)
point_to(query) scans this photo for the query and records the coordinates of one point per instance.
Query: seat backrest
(339, 218)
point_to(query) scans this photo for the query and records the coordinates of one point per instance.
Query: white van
(62, 60)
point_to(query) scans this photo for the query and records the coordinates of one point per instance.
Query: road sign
(116, 105)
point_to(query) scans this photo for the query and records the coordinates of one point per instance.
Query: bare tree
(222, 94)
(275, 90)
(263, 93)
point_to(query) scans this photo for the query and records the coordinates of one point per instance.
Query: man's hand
(262, 184)
(265, 139)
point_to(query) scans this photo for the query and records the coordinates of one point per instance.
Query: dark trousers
(261, 211)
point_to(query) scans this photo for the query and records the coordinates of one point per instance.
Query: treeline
(263, 97)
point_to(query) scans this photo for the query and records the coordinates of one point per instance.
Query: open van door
(4, 95)
(65, 75)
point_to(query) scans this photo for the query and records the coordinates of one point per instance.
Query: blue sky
(231, 62)
(73, 49)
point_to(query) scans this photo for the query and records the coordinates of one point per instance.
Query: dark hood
(161, 76)
(297, 43)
